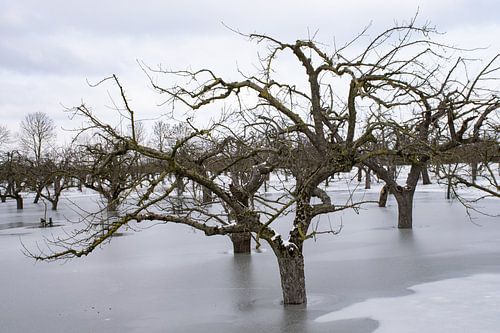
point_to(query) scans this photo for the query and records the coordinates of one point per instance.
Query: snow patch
(469, 304)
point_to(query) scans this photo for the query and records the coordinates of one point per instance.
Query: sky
(51, 50)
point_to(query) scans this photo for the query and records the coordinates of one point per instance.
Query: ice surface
(168, 278)
(468, 304)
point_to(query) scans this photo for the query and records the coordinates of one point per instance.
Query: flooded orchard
(444, 274)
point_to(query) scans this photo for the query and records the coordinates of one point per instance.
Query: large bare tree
(310, 125)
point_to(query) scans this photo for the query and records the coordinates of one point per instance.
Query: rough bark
(241, 242)
(293, 282)
(425, 176)
(405, 208)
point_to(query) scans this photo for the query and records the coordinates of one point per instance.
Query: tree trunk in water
(473, 172)
(19, 202)
(3, 198)
(368, 180)
(293, 282)
(405, 209)
(425, 176)
(384, 194)
(241, 242)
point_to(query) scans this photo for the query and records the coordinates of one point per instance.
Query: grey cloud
(55, 42)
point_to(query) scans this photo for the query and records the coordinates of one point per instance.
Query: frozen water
(169, 278)
(468, 304)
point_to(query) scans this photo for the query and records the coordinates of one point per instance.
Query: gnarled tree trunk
(241, 242)
(293, 282)
(19, 202)
(404, 197)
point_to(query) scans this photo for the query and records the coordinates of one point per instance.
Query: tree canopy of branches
(310, 125)
(37, 130)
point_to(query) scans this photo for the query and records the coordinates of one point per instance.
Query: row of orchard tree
(32, 162)
(398, 99)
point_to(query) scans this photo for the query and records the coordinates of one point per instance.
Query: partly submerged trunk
(241, 242)
(293, 282)
(404, 198)
(19, 202)
(473, 172)
(425, 176)
(368, 179)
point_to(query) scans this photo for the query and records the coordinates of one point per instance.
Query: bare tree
(449, 111)
(36, 133)
(309, 129)
(37, 130)
(60, 173)
(4, 136)
(14, 172)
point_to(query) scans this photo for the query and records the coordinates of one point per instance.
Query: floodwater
(169, 278)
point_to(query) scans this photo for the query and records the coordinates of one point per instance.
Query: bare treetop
(37, 130)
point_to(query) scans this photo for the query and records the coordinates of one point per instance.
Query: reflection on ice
(469, 304)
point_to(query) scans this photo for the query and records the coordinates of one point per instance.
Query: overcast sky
(49, 49)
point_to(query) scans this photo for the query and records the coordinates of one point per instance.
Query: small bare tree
(36, 134)
(4, 136)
